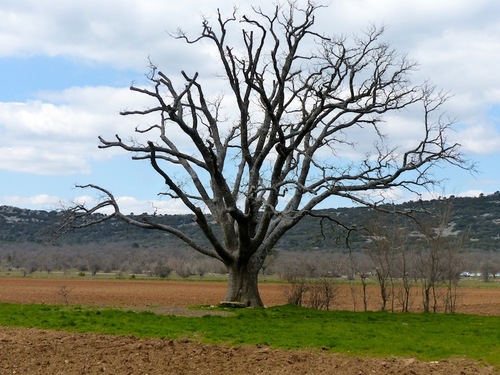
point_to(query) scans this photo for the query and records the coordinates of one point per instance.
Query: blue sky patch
(22, 77)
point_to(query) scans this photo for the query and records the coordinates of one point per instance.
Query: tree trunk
(427, 299)
(243, 284)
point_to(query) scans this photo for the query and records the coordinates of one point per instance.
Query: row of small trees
(415, 278)
(404, 257)
(431, 256)
(119, 258)
(407, 272)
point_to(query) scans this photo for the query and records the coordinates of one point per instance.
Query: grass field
(425, 336)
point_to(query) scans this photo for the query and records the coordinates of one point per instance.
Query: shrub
(315, 293)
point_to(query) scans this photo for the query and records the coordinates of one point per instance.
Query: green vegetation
(477, 217)
(425, 336)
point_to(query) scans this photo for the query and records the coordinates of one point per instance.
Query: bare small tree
(383, 250)
(389, 249)
(358, 266)
(438, 260)
(403, 295)
(162, 269)
(64, 292)
(322, 293)
(184, 267)
(452, 266)
(277, 145)
(490, 266)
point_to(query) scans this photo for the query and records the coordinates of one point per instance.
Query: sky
(66, 68)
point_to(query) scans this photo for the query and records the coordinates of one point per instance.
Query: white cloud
(57, 135)
(471, 193)
(43, 161)
(462, 60)
(40, 201)
(161, 207)
(479, 139)
(129, 204)
(46, 138)
(456, 44)
(117, 32)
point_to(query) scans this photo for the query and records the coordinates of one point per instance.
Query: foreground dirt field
(32, 351)
(29, 351)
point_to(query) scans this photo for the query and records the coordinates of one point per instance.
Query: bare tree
(390, 251)
(438, 260)
(184, 267)
(264, 155)
(403, 261)
(322, 292)
(359, 265)
(162, 269)
(383, 250)
(489, 266)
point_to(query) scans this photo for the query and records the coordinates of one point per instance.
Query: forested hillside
(476, 218)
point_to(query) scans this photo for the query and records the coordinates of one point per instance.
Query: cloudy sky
(65, 69)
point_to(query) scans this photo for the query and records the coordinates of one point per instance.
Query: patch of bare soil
(33, 351)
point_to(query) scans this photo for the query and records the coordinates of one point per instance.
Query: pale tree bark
(269, 151)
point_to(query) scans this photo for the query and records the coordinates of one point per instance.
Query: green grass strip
(425, 336)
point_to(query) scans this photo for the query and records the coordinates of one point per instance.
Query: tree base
(242, 285)
(232, 305)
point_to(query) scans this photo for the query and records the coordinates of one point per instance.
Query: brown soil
(33, 351)
(144, 293)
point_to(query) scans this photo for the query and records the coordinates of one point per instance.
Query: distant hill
(478, 217)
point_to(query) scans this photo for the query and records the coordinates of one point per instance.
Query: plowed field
(143, 293)
(32, 351)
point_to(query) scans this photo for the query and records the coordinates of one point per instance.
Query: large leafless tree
(300, 121)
